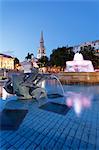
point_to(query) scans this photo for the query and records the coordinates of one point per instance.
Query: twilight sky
(63, 23)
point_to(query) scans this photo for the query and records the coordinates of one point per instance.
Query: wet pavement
(46, 130)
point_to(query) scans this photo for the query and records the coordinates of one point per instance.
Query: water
(79, 97)
(83, 121)
(79, 64)
(55, 77)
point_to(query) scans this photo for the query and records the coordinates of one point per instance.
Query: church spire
(41, 50)
(41, 40)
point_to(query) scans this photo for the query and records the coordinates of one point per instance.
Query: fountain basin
(78, 64)
(79, 77)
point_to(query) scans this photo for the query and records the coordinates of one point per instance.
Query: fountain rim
(83, 78)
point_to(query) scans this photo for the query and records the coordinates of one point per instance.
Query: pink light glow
(78, 101)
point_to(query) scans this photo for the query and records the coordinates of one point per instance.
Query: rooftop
(4, 55)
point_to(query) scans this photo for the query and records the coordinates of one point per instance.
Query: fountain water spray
(55, 77)
(79, 64)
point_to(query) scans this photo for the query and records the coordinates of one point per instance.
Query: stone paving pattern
(43, 130)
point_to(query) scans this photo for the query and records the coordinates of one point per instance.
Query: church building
(41, 50)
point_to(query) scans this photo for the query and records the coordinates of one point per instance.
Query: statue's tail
(8, 87)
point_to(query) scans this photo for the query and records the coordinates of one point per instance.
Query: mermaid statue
(27, 85)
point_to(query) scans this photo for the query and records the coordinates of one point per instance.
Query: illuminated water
(79, 126)
(79, 64)
(79, 97)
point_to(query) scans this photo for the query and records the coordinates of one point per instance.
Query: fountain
(79, 71)
(79, 64)
(30, 85)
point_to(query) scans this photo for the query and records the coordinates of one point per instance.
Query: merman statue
(27, 85)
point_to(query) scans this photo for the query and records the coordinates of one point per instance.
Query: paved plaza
(44, 130)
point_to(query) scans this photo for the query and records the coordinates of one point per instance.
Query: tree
(88, 53)
(43, 61)
(59, 56)
(16, 62)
